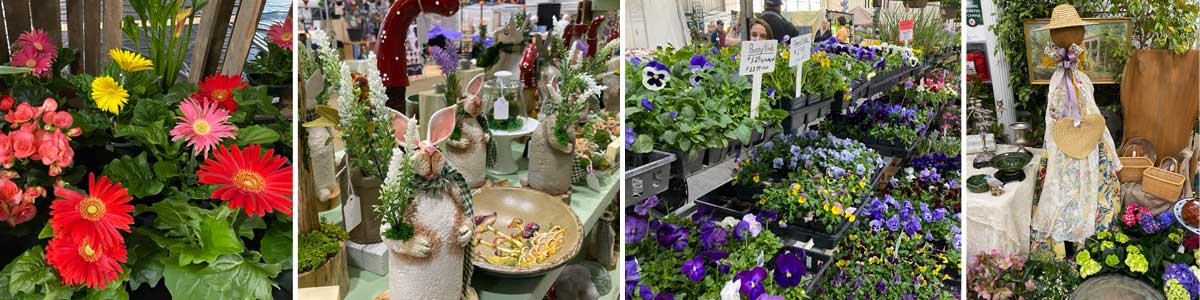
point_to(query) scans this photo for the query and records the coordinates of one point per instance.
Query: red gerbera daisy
(85, 262)
(258, 183)
(94, 217)
(219, 88)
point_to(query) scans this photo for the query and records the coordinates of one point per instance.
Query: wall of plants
(134, 183)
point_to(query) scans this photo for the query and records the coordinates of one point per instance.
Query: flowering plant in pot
(822, 179)
(889, 124)
(182, 189)
(272, 67)
(700, 257)
(932, 178)
(1017, 277)
(1137, 247)
(906, 250)
(690, 99)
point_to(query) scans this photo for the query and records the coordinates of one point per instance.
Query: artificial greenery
(366, 124)
(397, 193)
(578, 86)
(319, 245)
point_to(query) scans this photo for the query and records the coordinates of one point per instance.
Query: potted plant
(323, 258)
(366, 126)
(272, 67)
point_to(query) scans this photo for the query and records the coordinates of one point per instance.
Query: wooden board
(16, 14)
(242, 36)
(75, 32)
(210, 32)
(333, 273)
(3, 42)
(91, 17)
(46, 17)
(113, 11)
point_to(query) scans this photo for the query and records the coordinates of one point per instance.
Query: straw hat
(1064, 16)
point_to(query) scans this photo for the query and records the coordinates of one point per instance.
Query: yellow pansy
(850, 217)
(837, 210)
(755, 178)
(801, 199)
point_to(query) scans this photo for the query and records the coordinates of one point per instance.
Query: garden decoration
(529, 78)
(428, 219)
(506, 53)
(365, 123)
(551, 149)
(520, 232)
(470, 147)
(1081, 154)
(392, 59)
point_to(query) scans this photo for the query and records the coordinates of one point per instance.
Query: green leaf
(643, 144)
(57, 291)
(216, 238)
(114, 291)
(133, 173)
(176, 216)
(277, 244)
(28, 271)
(6, 70)
(256, 134)
(47, 232)
(166, 168)
(146, 112)
(152, 134)
(743, 133)
(226, 262)
(247, 280)
(145, 259)
(247, 224)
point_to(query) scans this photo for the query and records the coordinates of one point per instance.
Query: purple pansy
(752, 281)
(635, 229)
(694, 269)
(644, 208)
(789, 269)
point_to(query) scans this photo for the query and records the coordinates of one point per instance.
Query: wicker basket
(1132, 168)
(1163, 184)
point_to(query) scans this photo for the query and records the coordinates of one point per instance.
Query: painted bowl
(530, 206)
(1011, 161)
(977, 184)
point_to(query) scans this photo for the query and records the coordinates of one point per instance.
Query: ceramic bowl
(977, 184)
(529, 206)
(1011, 161)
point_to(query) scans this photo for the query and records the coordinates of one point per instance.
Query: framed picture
(1102, 39)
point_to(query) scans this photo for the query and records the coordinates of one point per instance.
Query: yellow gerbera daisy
(130, 61)
(108, 94)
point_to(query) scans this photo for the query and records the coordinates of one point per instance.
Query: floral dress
(1078, 196)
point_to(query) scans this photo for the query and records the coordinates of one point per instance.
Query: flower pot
(715, 156)
(367, 189)
(685, 165)
(794, 103)
(333, 272)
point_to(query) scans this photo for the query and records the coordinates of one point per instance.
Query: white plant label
(352, 212)
(801, 51)
(500, 109)
(757, 57)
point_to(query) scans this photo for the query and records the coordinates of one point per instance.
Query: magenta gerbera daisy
(203, 124)
(29, 58)
(38, 41)
(281, 34)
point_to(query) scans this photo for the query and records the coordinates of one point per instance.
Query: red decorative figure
(392, 58)
(528, 66)
(587, 32)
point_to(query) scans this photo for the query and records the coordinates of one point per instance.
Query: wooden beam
(242, 36)
(113, 11)
(75, 34)
(91, 43)
(16, 14)
(46, 17)
(209, 33)
(3, 41)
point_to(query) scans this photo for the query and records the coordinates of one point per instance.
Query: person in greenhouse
(843, 32)
(760, 30)
(718, 35)
(823, 32)
(778, 24)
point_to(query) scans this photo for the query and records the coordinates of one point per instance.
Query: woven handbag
(1078, 141)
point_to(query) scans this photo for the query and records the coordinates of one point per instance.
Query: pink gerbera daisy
(30, 58)
(203, 124)
(38, 41)
(281, 34)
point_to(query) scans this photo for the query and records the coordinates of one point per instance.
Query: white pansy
(730, 291)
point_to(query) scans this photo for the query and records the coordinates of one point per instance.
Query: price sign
(906, 30)
(757, 57)
(801, 51)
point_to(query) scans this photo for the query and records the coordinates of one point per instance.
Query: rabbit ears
(441, 124)
(475, 85)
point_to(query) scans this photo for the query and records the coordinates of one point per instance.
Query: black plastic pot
(685, 165)
(715, 155)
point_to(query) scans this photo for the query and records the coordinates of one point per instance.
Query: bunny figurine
(551, 163)
(427, 265)
(469, 149)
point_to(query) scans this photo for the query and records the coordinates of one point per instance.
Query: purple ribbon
(1068, 60)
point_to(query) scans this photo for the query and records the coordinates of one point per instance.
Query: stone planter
(367, 189)
(332, 273)
(602, 240)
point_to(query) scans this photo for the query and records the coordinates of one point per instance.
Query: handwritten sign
(906, 30)
(801, 49)
(757, 57)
